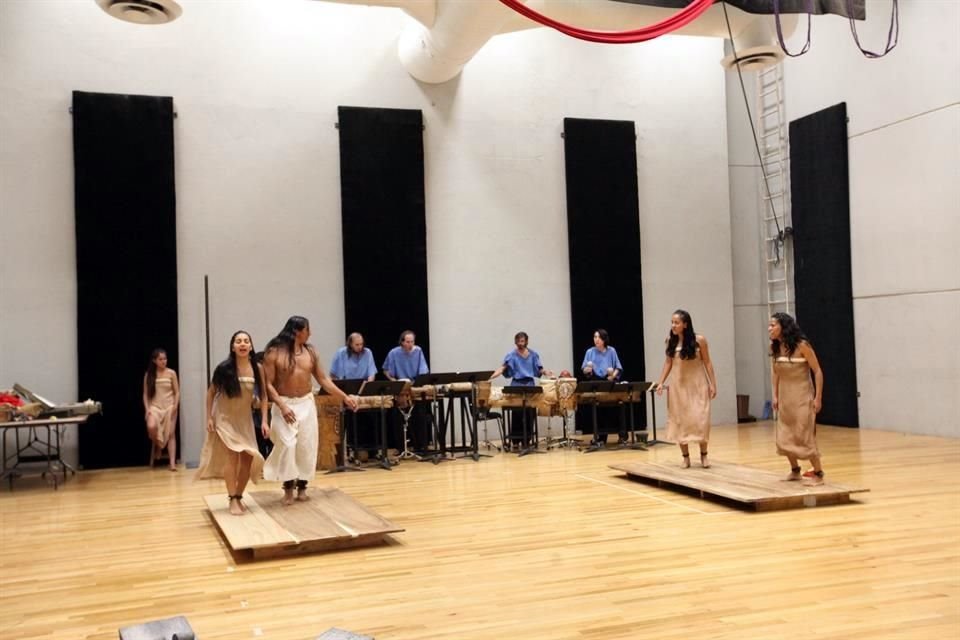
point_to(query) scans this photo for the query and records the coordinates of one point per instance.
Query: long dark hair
(152, 372)
(790, 335)
(688, 350)
(225, 377)
(287, 339)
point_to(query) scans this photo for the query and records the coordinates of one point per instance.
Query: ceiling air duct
(142, 11)
(446, 34)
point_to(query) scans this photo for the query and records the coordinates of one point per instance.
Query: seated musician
(522, 365)
(407, 361)
(601, 362)
(354, 361)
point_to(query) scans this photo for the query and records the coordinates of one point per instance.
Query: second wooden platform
(749, 487)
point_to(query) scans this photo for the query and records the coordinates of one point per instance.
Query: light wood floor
(547, 546)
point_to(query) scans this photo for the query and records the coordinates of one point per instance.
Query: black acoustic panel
(125, 214)
(820, 196)
(603, 220)
(384, 226)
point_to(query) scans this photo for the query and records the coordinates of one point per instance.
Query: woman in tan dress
(230, 448)
(796, 398)
(694, 386)
(161, 400)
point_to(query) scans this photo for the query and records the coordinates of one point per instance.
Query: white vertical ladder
(771, 127)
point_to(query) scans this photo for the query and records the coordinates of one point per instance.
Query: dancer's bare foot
(704, 461)
(685, 463)
(302, 494)
(794, 475)
(173, 467)
(288, 496)
(236, 507)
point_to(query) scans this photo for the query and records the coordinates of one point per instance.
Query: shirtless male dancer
(289, 363)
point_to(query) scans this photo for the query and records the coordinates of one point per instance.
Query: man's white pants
(294, 455)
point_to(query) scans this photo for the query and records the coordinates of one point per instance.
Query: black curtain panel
(604, 239)
(820, 196)
(384, 226)
(126, 264)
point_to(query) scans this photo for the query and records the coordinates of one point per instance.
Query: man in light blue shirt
(522, 365)
(407, 361)
(353, 361)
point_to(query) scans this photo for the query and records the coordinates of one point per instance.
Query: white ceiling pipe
(460, 30)
(447, 37)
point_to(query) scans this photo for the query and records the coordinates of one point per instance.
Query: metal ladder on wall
(771, 127)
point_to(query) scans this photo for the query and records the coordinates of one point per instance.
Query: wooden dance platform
(748, 487)
(329, 520)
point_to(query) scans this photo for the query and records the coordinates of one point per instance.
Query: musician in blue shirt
(601, 362)
(353, 361)
(521, 365)
(407, 361)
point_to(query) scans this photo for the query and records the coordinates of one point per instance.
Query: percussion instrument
(329, 447)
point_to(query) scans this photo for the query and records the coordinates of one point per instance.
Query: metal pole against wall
(206, 319)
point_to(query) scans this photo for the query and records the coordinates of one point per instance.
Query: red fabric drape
(674, 22)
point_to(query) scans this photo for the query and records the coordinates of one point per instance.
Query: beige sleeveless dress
(796, 419)
(161, 407)
(233, 433)
(688, 401)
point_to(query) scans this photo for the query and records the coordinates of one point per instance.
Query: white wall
(904, 153)
(256, 88)
(749, 283)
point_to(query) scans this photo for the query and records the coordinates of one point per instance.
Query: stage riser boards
(746, 487)
(329, 520)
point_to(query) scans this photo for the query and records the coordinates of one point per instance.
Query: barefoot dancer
(161, 400)
(694, 386)
(796, 397)
(230, 448)
(289, 363)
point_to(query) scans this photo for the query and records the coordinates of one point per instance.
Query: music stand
(524, 393)
(351, 388)
(383, 388)
(437, 380)
(473, 377)
(653, 410)
(593, 387)
(635, 391)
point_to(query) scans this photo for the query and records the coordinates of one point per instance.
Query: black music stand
(635, 391)
(593, 387)
(653, 410)
(351, 388)
(473, 377)
(383, 389)
(524, 393)
(437, 380)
